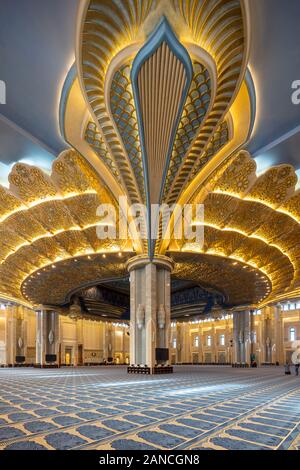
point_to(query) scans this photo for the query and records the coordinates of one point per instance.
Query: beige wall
(95, 341)
(201, 341)
(271, 329)
(86, 341)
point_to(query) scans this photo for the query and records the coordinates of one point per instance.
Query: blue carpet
(39, 426)
(104, 408)
(160, 439)
(231, 444)
(94, 432)
(66, 420)
(255, 437)
(119, 425)
(20, 416)
(25, 445)
(64, 440)
(124, 444)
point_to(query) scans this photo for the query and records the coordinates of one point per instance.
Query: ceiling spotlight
(104, 255)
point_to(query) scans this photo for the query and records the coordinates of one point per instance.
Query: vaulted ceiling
(158, 101)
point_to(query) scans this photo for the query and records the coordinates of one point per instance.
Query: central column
(150, 309)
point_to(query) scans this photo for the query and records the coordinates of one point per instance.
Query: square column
(47, 337)
(241, 337)
(11, 335)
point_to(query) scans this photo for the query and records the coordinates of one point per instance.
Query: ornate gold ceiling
(158, 105)
(49, 220)
(251, 223)
(240, 284)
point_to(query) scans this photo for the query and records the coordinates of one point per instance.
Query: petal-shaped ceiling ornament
(161, 76)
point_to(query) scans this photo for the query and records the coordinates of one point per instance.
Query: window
(209, 341)
(196, 341)
(174, 343)
(222, 340)
(254, 336)
(292, 334)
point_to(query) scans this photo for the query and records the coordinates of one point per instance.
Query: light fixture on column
(140, 316)
(161, 317)
(75, 312)
(51, 337)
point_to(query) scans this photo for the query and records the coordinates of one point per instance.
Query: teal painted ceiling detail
(95, 140)
(124, 115)
(219, 139)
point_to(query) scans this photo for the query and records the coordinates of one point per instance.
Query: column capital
(140, 261)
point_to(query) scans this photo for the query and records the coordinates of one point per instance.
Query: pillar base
(46, 366)
(150, 370)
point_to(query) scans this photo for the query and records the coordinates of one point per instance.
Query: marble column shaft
(150, 308)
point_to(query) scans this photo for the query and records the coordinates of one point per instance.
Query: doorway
(68, 356)
(195, 358)
(80, 355)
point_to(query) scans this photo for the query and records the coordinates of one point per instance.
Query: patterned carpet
(104, 408)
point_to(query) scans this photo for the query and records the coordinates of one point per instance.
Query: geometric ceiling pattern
(158, 107)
